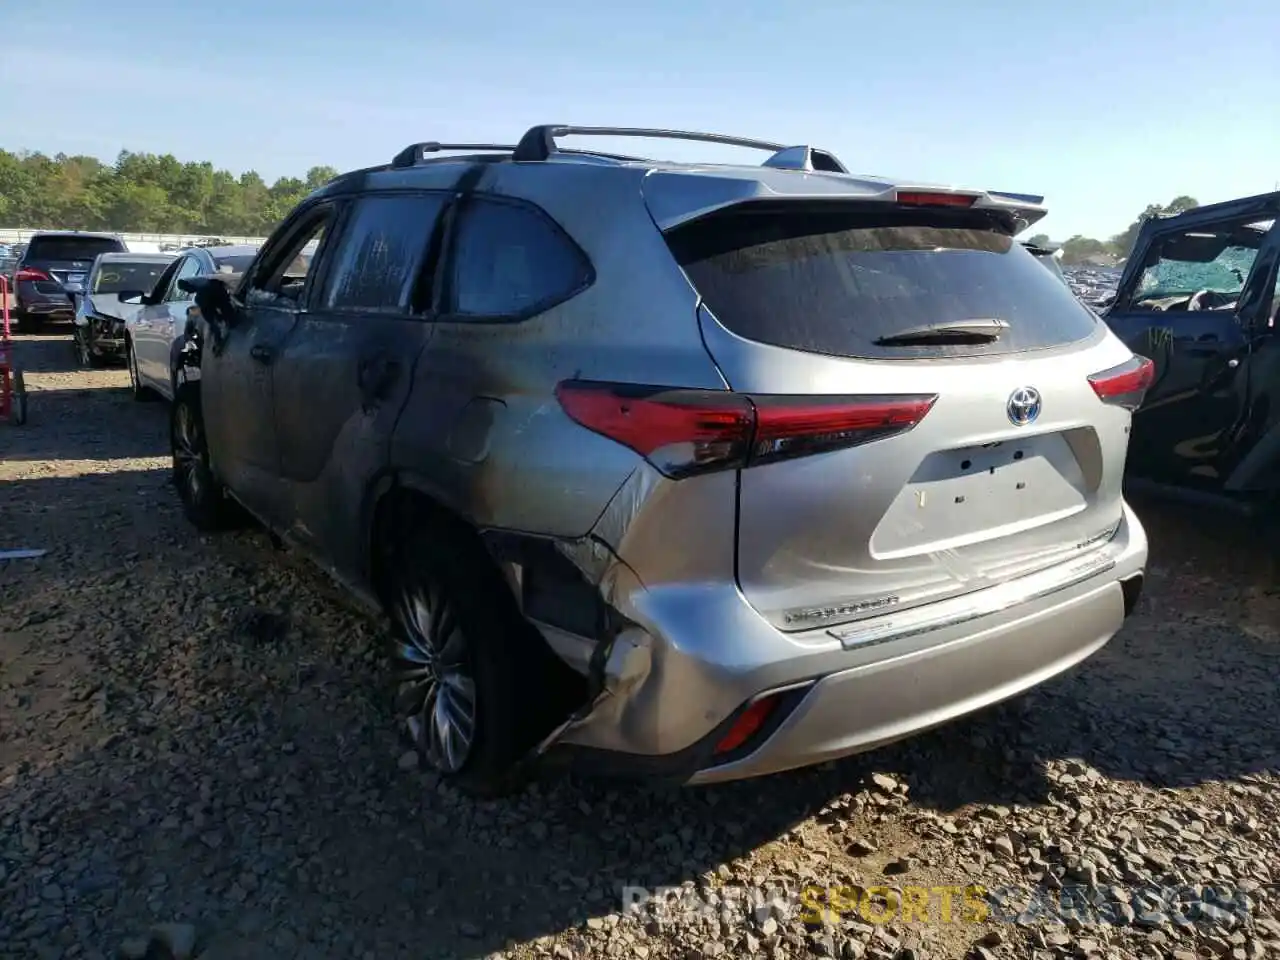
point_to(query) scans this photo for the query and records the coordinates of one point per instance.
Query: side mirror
(134, 297)
(212, 296)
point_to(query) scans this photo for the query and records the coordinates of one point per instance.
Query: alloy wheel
(436, 694)
(188, 452)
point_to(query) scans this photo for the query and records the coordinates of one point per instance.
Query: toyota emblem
(1023, 406)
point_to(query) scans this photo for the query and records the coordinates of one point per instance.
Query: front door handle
(263, 354)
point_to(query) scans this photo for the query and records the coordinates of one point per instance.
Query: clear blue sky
(1101, 106)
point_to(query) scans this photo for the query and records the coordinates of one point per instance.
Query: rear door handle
(375, 376)
(261, 353)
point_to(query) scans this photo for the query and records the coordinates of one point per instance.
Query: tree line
(1078, 249)
(146, 193)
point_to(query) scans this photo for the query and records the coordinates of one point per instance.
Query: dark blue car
(53, 267)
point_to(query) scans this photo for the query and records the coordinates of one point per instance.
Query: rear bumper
(685, 690)
(33, 302)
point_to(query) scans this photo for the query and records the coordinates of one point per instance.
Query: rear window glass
(116, 276)
(71, 248)
(835, 282)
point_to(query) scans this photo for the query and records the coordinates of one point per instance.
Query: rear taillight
(31, 274)
(795, 426)
(922, 198)
(1126, 384)
(684, 432)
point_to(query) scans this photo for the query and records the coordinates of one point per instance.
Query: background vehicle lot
(191, 729)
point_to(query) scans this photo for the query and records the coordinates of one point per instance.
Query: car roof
(675, 191)
(231, 250)
(75, 233)
(123, 255)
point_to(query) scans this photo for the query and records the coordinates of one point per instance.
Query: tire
(458, 652)
(18, 399)
(204, 499)
(140, 393)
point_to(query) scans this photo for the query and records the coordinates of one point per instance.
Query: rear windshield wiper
(958, 332)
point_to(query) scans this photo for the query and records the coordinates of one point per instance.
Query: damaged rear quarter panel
(540, 472)
(665, 678)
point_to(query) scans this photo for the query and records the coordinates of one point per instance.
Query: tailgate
(1015, 466)
(66, 275)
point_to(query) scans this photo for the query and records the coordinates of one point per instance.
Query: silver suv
(697, 471)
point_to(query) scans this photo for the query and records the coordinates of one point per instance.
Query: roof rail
(416, 152)
(539, 142)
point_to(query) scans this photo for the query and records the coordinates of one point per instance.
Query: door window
(511, 261)
(1202, 269)
(283, 275)
(380, 257)
(189, 267)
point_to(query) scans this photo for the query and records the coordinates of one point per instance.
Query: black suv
(1200, 296)
(54, 266)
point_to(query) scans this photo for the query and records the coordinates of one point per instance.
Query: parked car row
(156, 315)
(9, 255)
(703, 472)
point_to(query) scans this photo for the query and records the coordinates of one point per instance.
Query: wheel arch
(395, 502)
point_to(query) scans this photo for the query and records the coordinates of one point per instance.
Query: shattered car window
(1225, 274)
(1216, 261)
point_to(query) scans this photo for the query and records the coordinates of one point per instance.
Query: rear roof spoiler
(1034, 199)
(1025, 208)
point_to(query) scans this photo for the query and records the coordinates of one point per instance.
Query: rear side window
(511, 261)
(835, 282)
(71, 248)
(381, 253)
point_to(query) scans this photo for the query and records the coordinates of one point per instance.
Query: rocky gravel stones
(196, 760)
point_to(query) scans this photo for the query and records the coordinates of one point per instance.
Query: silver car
(154, 327)
(780, 462)
(99, 315)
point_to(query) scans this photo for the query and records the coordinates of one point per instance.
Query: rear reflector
(748, 724)
(1126, 384)
(918, 198)
(685, 432)
(31, 274)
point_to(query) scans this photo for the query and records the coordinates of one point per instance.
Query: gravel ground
(193, 732)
